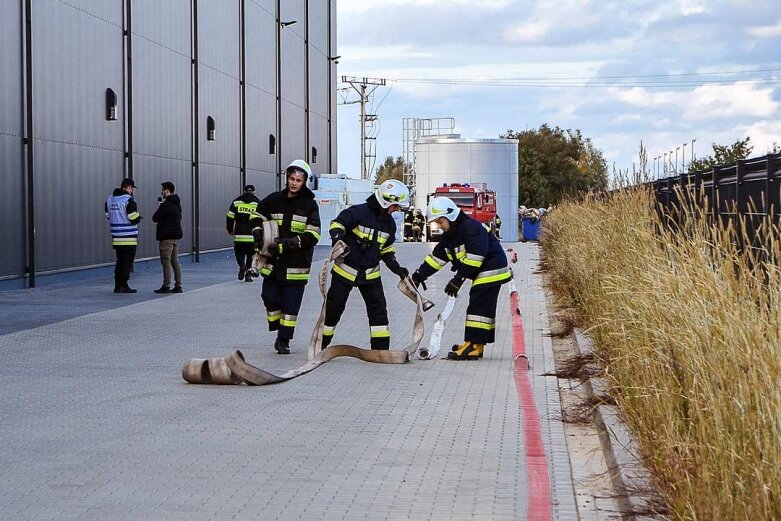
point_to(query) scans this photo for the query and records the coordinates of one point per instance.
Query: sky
(665, 72)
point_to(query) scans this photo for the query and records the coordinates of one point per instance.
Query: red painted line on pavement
(537, 479)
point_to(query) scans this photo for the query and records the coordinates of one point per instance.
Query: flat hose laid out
(234, 368)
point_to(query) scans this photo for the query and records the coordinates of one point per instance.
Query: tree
(392, 168)
(554, 163)
(723, 155)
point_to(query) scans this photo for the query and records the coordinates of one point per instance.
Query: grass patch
(689, 329)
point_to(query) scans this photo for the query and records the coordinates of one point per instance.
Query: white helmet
(392, 192)
(443, 207)
(300, 165)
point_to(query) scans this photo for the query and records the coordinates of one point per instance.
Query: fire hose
(234, 369)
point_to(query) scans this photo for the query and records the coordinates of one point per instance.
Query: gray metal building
(209, 94)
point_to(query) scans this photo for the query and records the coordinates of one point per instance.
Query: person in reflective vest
(123, 217)
(369, 230)
(241, 218)
(285, 276)
(476, 255)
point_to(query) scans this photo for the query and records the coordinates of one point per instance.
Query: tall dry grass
(690, 331)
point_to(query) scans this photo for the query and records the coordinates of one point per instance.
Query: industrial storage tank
(493, 162)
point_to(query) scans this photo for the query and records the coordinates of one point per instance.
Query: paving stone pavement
(98, 424)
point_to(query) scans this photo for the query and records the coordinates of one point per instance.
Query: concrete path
(98, 424)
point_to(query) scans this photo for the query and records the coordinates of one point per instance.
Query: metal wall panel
(269, 6)
(318, 138)
(293, 67)
(12, 173)
(318, 83)
(218, 35)
(71, 187)
(293, 85)
(261, 44)
(261, 81)
(294, 10)
(162, 110)
(265, 182)
(318, 25)
(79, 155)
(332, 82)
(219, 186)
(293, 133)
(261, 122)
(219, 175)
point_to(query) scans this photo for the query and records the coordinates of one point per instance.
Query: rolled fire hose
(234, 368)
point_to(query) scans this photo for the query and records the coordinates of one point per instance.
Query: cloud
(707, 102)
(766, 31)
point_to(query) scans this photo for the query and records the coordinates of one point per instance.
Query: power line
(666, 75)
(593, 84)
(688, 79)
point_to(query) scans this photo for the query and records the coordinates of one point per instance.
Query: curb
(627, 473)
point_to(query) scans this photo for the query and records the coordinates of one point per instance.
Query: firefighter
(122, 214)
(409, 218)
(242, 216)
(369, 230)
(476, 255)
(285, 276)
(418, 222)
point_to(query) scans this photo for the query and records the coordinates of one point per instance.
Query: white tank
(457, 160)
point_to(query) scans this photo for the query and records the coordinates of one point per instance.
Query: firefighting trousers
(244, 252)
(282, 302)
(480, 324)
(376, 309)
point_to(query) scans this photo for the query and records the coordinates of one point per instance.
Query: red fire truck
(475, 200)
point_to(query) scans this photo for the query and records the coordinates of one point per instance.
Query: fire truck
(475, 200)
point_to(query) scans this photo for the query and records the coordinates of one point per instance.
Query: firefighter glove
(337, 234)
(257, 234)
(402, 272)
(288, 244)
(451, 290)
(418, 280)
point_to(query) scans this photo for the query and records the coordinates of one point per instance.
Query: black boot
(242, 272)
(282, 346)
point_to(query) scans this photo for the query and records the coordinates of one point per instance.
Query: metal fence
(746, 193)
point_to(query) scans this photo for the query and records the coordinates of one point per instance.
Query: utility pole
(364, 87)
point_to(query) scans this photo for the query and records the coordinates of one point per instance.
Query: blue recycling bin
(530, 228)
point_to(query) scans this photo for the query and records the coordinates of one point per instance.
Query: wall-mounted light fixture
(334, 59)
(272, 144)
(314, 155)
(291, 22)
(211, 127)
(111, 105)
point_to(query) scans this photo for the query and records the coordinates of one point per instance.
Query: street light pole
(664, 170)
(683, 158)
(676, 159)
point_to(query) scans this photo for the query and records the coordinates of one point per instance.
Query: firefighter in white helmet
(475, 255)
(369, 230)
(296, 213)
